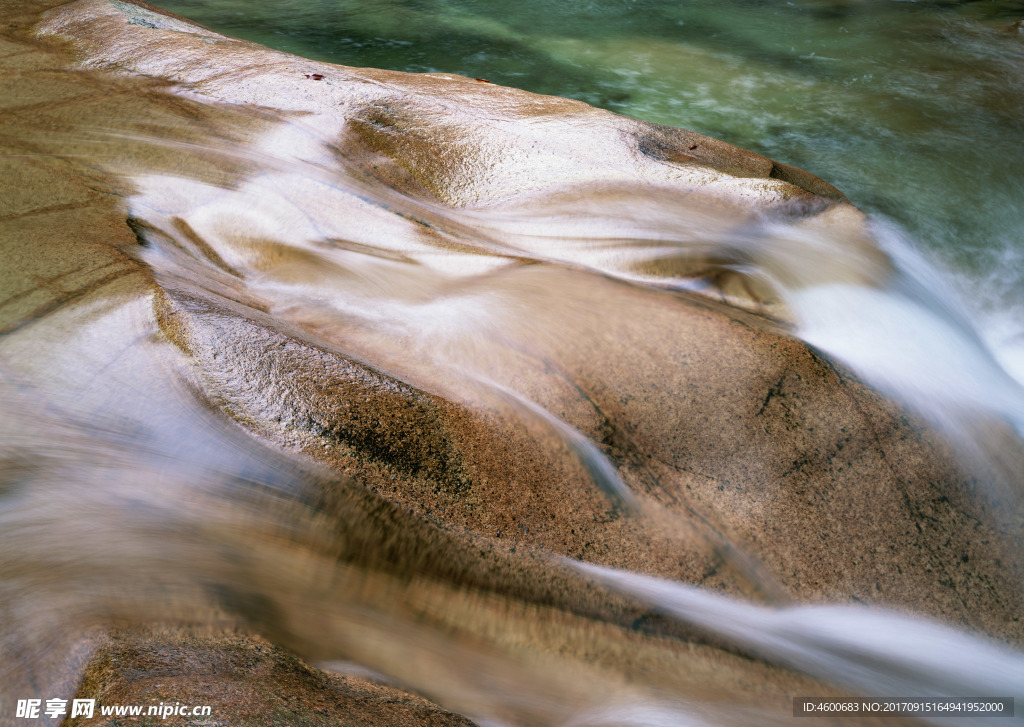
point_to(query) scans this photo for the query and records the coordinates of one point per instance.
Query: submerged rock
(349, 355)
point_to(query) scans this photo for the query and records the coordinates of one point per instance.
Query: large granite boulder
(347, 356)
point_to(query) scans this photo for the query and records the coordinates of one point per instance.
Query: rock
(316, 371)
(453, 140)
(243, 680)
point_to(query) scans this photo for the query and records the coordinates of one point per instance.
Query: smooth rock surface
(356, 489)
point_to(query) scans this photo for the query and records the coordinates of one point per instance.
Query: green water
(914, 109)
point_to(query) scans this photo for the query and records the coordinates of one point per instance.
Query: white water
(882, 311)
(870, 652)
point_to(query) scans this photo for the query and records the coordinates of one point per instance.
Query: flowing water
(912, 109)
(266, 245)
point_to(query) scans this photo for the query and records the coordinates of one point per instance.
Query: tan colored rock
(242, 681)
(288, 349)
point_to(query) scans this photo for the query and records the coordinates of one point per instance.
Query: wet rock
(204, 677)
(395, 495)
